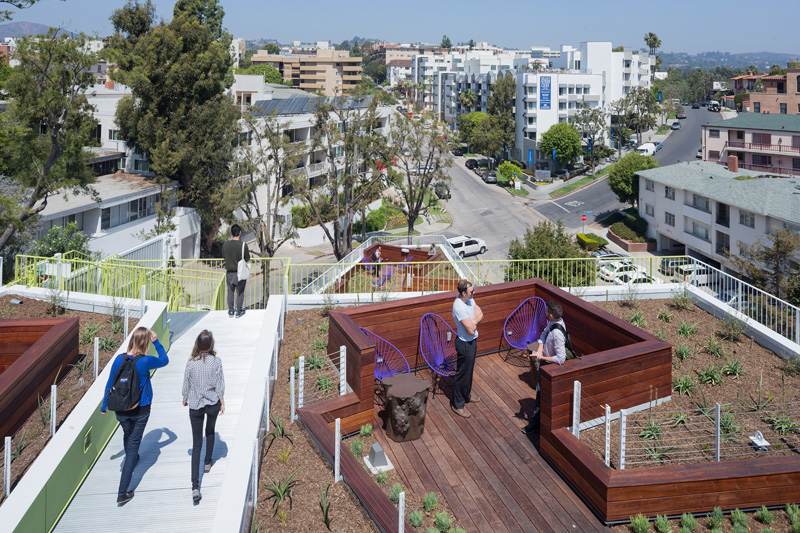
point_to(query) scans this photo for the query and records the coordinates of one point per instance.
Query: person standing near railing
(467, 315)
(233, 251)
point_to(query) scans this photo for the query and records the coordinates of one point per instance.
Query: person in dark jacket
(134, 420)
(232, 251)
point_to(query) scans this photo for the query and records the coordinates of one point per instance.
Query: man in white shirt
(467, 315)
(551, 349)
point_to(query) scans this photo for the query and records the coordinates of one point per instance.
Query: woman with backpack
(203, 392)
(129, 394)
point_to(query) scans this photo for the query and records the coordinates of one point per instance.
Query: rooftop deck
(162, 479)
(491, 475)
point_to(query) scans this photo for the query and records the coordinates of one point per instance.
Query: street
(682, 144)
(597, 198)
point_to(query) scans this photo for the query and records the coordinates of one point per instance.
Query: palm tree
(653, 42)
(468, 99)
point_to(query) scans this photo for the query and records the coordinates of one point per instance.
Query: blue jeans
(132, 432)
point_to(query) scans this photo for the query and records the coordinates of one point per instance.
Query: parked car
(693, 273)
(668, 264)
(613, 269)
(699, 154)
(478, 170)
(676, 125)
(458, 151)
(740, 302)
(470, 163)
(422, 169)
(400, 109)
(704, 103)
(633, 278)
(695, 105)
(490, 176)
(466, 245)
(442, 191)
(680, 114)
(647, 149)
(605, 256)
(658, 145)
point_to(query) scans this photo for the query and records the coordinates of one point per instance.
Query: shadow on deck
(491, 474)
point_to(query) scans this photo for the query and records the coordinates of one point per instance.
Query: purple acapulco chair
(388, 359)
(526, 323)
(437, 342)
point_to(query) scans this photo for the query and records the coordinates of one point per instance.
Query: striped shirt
(203, 382)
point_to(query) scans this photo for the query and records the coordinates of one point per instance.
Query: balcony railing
(766, 169)
(763, 147)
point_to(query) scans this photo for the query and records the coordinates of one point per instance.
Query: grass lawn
(663, 129)
(471, 155)
(404, 225)
(571, 187)
(605, 170)
(522, 192)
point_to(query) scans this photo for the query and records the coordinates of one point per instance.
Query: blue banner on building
(530, 156)
(544, 92)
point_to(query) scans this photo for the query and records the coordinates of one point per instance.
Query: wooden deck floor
(491, 475)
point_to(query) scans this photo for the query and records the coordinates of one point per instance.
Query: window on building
(649, 185)
(649, 210)
(113, 135)
(762, 138)
(700, 202)
(142, 165)
(796, 141)
(762, 160)
(669, 193)
(669, 219)
(756, 107)
(578, 90)
(796, 163)
(562, 91)
(713, 134)
(746, 218)
(562, 106)
(700, 231)
(783, 109)
(740, 135)
(571, 90)
(713, 154)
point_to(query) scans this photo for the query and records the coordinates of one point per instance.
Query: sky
(682, 25)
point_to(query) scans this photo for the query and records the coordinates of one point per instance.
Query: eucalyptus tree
(592, 124)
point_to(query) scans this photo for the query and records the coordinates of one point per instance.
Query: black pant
(465, 364)
(196, 417)
(234, 285)
(535, 415)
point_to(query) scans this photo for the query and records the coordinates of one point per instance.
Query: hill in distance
(20, 29)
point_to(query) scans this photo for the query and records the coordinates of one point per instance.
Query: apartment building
(389, 52)
(706, 210)
(397, 71)
(745, 83)
(330, 71)
(294, 110)
(762, 143)
(781, 94)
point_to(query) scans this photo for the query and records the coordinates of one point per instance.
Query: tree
(5, 73)
(777, 70)
(468, 99)
(618, 109)
(565, 140)
(425, 164)
(376, 69)
(178, 73)
(446, 44)
(270, 73)
(467, 124)
(591, 124)
(500, 104)
(700, 85)
(642, 107)
(62, 240)
(549, 241)
(489, 137)
(618, 49)
(768, 263)
(471, 44)
(355, 51)
(46, 126)
(272, 48)
(653, 42)
(623, 179)
(344, 130)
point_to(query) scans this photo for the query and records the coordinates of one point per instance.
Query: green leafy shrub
(640, 523)
(664, 315)
(764, 515)
(738, 517)
(415, 519)
(382, 477)
(714, 520)
(683, 351)
(394, 493)
(366, 430)
(357, 448)
(442, 522)
(300, 216)
(688, 522)
(662, 524)
(711, 376)
(430, 501)
(590, 241)
(686, 329)
(683, 385)
(376, 221)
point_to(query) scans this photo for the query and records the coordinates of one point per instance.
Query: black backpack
(125, 392)
(568, 344)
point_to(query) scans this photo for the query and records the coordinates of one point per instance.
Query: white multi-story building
(705, 209)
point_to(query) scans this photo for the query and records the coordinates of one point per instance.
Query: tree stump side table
(406, 402)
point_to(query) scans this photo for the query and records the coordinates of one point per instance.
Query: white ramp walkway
(162, 479)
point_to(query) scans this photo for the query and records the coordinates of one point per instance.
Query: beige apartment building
(329, 71)
(769, 144)
(781, 94)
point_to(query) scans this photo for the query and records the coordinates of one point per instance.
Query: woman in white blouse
(203, 392)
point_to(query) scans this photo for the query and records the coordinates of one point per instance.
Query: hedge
(590, 241)
(624, 232)
(376, 221)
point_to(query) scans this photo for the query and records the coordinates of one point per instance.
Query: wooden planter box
(32, 352)
(631, 246)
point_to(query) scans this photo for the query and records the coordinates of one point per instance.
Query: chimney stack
(733, 163)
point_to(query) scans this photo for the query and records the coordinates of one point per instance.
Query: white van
(647, 149)
(693, 273)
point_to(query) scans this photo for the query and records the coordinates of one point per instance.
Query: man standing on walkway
(467, 315)
(232, 251)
